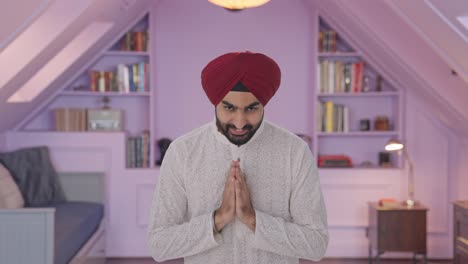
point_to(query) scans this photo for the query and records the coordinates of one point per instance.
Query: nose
(239, 120)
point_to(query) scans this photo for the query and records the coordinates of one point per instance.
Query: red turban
(258, 72)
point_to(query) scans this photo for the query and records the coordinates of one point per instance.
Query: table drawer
(402, 231)
(461, 215)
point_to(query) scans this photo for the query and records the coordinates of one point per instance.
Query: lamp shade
(394, 145)
(238, 4)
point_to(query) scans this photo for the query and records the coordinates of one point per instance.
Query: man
(239, 189)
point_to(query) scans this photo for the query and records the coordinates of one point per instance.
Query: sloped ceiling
(416, 43)
(444, 32)
(118, 13)
(399, 48)
(19, 18)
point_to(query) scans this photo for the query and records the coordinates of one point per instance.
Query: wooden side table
(399, 228)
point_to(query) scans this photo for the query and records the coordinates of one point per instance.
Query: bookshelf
(130, 179)
(357, 110)
(120, 73)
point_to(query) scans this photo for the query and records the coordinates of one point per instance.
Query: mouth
(238, 132)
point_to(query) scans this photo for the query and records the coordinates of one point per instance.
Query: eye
(228, 107)
(252, 109)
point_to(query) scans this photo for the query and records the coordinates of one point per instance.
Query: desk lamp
(396, 145)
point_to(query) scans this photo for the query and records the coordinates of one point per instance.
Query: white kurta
(281, 174)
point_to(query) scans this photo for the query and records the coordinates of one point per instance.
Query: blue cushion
(75, 223)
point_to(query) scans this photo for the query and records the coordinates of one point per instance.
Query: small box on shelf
(105, 120)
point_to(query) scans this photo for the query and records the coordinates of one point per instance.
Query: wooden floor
(325, 261)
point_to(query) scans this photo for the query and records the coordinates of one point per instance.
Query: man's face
(238, 116)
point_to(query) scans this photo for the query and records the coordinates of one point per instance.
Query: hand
(244, 209)
(226, 213)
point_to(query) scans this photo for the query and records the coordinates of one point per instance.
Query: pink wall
(461, 174)
(189, 35)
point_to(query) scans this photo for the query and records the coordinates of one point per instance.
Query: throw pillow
(37, 178)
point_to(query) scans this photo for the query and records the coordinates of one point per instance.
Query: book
(70, 119)
(389, 202)
(329, 116)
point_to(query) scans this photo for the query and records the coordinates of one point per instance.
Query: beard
(238, 140)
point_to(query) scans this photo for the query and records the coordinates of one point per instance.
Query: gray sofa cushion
(35, 175)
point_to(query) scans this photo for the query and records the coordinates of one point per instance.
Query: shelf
(151, 170)
(88, 93)
(72, 133)
(360, 94)
(338, 54)
(358, 134)
(125, 53)
(359, 168)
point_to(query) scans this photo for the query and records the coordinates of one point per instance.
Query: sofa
(41, 224)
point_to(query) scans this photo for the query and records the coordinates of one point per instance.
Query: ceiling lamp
(238, 4)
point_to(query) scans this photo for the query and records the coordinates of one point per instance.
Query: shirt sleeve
(306, 235)
(170, 234)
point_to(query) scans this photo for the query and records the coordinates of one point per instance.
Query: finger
(234, 166)
(241, 176)
(233, 185)
(243, 185)
(231, 178)
(229, 181)
(232, 189)
(232, 182)
(238, 187)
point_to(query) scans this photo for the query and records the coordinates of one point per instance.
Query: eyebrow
(233, 106)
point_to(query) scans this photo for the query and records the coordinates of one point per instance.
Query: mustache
(246, 127)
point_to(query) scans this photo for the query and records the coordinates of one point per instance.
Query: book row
(126, 78)
(138, 150)
(327, 41)
(134, 41)
(341, 77)
(332, 117)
